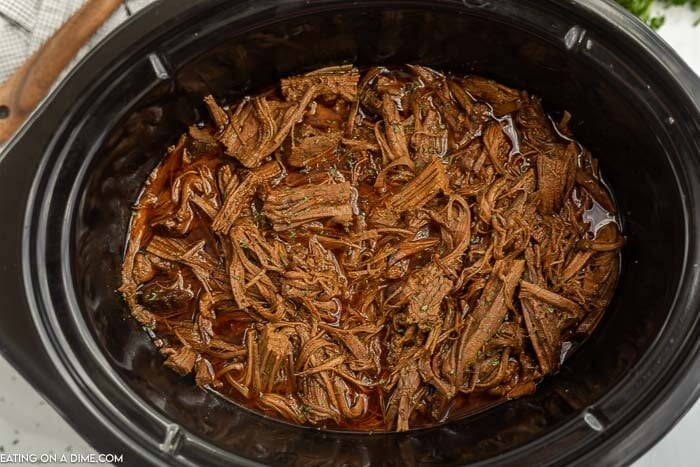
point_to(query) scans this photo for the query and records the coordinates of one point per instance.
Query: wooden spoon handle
(30, 83)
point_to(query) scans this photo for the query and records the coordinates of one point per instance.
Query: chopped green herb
(642, 9)
(656, 22)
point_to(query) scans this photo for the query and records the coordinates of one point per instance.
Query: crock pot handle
(20, 342)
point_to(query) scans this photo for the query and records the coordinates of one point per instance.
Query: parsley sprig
(642, 9)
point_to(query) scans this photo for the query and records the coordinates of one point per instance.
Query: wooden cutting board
(30, 83)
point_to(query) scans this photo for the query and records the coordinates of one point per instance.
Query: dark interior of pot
(609, 118)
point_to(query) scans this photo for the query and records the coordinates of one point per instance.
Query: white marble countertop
(29, 425)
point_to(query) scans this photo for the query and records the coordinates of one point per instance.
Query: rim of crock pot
(81, 384)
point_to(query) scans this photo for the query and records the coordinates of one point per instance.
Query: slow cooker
(69, 178)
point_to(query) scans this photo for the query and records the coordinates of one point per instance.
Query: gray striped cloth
(26, 24)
